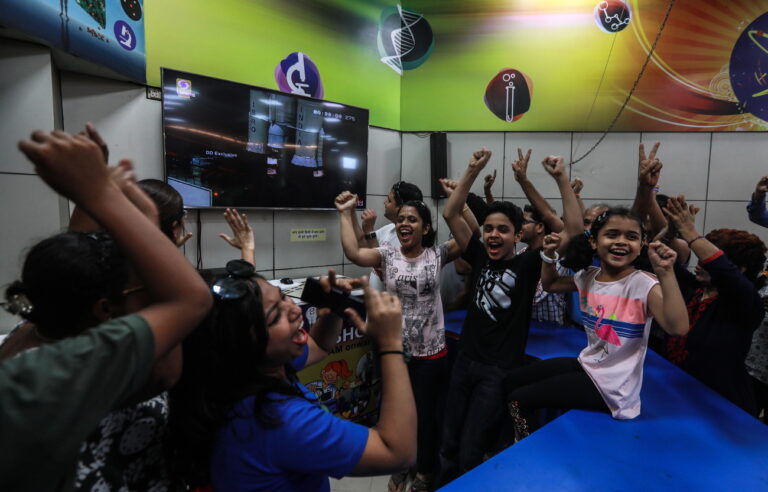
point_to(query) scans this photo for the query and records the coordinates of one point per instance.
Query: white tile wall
(383, 160)
(31, 214)
(610, 171)
(460, 149)
(416, 166)
(542, 145)
(306, 254)
(125, 118)
(217, 252)
(732, 215)
(26, 99)
(686, 162)
(737, 163)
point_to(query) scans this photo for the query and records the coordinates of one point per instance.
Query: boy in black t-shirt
(496, 328)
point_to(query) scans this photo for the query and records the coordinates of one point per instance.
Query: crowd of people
(130, 370)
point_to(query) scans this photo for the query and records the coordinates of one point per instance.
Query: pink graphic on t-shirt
(605, 332)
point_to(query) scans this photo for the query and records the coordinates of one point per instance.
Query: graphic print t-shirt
(496, 328)
(617, 322)
(416, 282)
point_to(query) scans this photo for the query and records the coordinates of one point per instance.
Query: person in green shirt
(52, 397)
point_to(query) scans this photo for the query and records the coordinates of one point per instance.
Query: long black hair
(64, 275)
(428, 238)
(224, 362)
(579, 253)
(170, 205)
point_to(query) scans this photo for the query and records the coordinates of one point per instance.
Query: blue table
(687, 438)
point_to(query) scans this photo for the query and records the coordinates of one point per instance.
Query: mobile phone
(337, 300)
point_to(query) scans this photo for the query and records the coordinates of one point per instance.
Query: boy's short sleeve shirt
(499, 313)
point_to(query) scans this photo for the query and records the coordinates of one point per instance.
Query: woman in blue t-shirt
(242, 421)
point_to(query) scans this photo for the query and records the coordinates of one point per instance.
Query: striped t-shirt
(617, 322)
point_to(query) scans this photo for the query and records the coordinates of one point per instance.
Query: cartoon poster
(106, 32)
(347, 382)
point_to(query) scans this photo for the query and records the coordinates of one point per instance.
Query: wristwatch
(370, 235)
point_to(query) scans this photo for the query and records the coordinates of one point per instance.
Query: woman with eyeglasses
(241, 420)
(411, 271)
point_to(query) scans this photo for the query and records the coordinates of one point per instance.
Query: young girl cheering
(412, 272)
(618, 303)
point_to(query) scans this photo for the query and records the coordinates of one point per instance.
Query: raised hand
(555, 166)
(479, 159)
(661, 256)
(649, 167)
(520, 166)
(90, 132)
(551, 243)
(681, 214)
(242, 234)
(183, 239)
(577, 185)
(346, 201)
(124, 178)
(449, 185)
(368, 219)
(73, 166)
(385, 319)
(489, 180)
(762, 187)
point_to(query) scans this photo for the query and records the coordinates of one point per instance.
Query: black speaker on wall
(438, 156)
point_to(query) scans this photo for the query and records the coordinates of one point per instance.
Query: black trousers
(554, 383)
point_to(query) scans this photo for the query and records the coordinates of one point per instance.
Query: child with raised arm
(411, 271)
(618, 303)
(496, 327)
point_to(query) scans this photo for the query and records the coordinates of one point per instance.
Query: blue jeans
(475, 406)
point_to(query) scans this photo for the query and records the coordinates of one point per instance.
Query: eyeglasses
(234, 286)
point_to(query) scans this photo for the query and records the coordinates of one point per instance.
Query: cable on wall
(634, 86)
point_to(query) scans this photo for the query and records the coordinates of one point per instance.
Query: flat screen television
(233, 145)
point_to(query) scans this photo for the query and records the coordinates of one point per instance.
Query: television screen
(233, 145)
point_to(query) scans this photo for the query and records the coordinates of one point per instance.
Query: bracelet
(656, 189)
(370, 235)
(406, 356)
(577, 194)
(694, 240)
(547, 259)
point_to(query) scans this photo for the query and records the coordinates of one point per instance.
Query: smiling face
(285, 325)
(410, 227)
(499, 237)
(618, 242)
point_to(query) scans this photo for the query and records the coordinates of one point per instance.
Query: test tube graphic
(510, 92)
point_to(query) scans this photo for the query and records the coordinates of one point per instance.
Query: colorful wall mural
(454, 65)
(106, 32)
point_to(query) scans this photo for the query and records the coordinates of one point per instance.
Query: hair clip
(588, 233)
(17, 305)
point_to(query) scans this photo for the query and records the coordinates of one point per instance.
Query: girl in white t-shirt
(411, 270)
(618, 303)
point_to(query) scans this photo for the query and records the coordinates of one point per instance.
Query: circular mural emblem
(749, 68)
(298, 74)
(405, 38)
(612, 15)
(509, 94)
